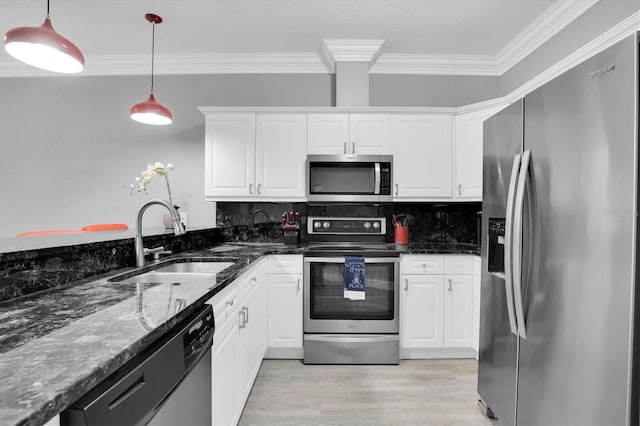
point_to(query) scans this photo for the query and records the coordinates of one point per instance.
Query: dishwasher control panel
(197, 335)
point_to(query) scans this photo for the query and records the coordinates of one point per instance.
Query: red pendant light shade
(150, 111)
(43, 47)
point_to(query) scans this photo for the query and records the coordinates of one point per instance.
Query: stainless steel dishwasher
(167, 384)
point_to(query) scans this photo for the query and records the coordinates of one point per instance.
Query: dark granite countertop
(57, 345)
(439, 248)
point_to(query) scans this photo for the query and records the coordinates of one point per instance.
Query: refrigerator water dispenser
(496, 230)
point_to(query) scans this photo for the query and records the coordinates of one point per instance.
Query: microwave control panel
(385, 178)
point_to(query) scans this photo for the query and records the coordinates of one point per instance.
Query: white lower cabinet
(476, 303)
(436, 309)
(284, 284)
(239, 342)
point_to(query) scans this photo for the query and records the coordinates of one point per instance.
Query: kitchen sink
(176, 272)
(194, 267)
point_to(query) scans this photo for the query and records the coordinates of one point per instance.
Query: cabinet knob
(230, 302)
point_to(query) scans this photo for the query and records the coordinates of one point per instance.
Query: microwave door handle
(376, 182)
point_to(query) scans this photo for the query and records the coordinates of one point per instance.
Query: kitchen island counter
(58, 344)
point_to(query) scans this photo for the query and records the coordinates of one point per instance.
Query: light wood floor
(417, 392)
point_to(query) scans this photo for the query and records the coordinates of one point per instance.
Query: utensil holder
(401, 235)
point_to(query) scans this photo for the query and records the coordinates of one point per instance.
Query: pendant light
(150, 111)
(43, 47)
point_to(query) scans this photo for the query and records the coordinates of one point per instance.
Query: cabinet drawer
(458, 265)
(424, 265)
(285, 264)
(225, 303)
(248, 280)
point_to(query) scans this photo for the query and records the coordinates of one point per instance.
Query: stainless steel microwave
(360, 178)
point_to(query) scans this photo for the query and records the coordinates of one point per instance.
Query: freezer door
(574, 364)
(498, 346)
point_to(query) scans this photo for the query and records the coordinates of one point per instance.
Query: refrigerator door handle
(508, 235)
(517, 242)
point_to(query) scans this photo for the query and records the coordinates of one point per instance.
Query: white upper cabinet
(255, 155)
(468, 146)
(229, 155)
(349, 134)
(281, 153)
(422, 156)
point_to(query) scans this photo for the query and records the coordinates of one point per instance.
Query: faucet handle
(153, 250)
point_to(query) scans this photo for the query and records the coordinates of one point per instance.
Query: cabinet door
(229, 155)
(468, 141)
(327, 134)
(281, 155)
(422, 311)
(285, 310)
(225, 371)
(369, 134)
(422, 156)
(253, 336)
(458, 311)
(477, 280)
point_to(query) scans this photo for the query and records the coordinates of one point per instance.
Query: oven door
(326, 310)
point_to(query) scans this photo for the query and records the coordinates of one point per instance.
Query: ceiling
(474, 37)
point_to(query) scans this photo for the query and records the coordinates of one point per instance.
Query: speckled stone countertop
(439, 248)
(57, 345)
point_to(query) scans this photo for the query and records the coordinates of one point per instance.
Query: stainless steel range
(338, 329)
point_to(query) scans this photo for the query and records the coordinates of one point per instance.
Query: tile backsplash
(433, 222)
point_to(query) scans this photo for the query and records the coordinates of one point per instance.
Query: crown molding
(554, 19)
(615, 34)
(222, 63)
(547, 25)
(436, 64)
(351, 50)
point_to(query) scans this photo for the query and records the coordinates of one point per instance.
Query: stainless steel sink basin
(194, 267)
(164, 277)
(177, 272)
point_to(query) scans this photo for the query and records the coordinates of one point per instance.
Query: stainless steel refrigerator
(559, 242)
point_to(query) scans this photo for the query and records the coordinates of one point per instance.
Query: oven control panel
(346, 225)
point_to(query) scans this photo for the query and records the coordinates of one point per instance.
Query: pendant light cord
(153, 49)
(47, 8)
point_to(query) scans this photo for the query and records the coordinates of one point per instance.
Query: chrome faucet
(178, 229)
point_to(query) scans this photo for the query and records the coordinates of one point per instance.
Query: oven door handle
(352, 338)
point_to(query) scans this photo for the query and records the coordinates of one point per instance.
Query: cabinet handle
(250, 188)
(345, 147)
(254, 278)
(298, 284)
(396, 189)
(406, 283)
(449, 284)
(460, 190)
(353, 148)
(243, 321)
(259, 186)
(230, 302)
